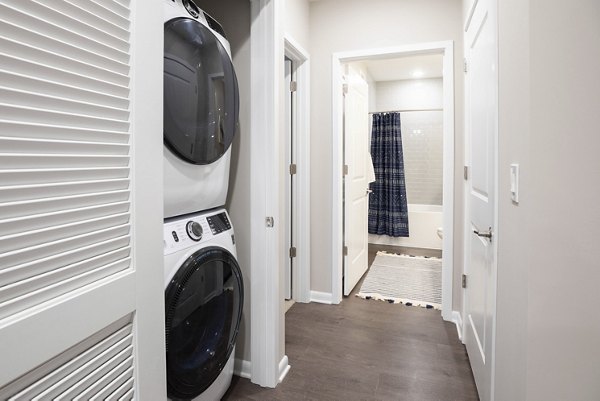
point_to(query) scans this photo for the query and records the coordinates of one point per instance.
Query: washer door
(203, 304)
(201, 99)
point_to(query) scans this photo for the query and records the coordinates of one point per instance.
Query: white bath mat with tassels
(410, 280)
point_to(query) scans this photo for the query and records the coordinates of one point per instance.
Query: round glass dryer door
(203, 305)
(201, 99)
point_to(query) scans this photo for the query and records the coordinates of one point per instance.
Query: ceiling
(409, 67)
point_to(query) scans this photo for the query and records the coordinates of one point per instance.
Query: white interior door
(81, 295)
(356, 200)
(482, 112)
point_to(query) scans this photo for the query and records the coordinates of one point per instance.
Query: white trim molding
(448, 182)
(242, 368)
(447, 49)
(284, 368)
(457, 319)
(321, 297)
(266, 304)
(301, 146)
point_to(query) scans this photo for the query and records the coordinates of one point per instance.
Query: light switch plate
(514, 182)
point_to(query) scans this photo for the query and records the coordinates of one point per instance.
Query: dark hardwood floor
(368, 350)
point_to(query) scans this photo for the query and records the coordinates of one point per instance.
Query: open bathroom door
(356, 200)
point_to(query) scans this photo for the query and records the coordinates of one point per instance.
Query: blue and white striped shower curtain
(388, 207)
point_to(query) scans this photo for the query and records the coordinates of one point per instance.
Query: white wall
(513, 240)
(548, 270)
(296, 21)
(410, 94)
(564, 209)
(343, 25)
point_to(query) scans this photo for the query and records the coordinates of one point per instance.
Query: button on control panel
(218, 223)
(175, 237)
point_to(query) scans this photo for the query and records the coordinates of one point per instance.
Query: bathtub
(423, 223)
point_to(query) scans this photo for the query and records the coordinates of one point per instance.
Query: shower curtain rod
(403, 111)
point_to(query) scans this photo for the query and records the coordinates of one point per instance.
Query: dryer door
(203, 305)
(201, 99)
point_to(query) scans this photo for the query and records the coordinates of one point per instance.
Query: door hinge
(466, 65)
(293, 168)
(345, 251)
(270, 222)
(464, 281)
(293, 86)
(293, 252)
(345, 89)
(345, 169)
(466, 172)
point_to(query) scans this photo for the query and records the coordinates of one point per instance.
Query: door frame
(269, 363)
(301, 153)
(266, 291)
(447, 49)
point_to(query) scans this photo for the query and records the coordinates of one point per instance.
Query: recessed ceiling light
(418, 73)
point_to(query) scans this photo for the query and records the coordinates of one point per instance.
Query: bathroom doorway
(411, 88)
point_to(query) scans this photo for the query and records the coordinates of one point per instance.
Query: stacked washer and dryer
(203, 281)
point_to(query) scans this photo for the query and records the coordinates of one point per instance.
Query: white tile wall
(422, 141)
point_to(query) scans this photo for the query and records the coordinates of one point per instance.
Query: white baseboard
(457, 319)
(321, 297)
(242, 368)
(284, 368)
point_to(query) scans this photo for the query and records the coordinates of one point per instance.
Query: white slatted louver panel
(99, 368)
(64, 149)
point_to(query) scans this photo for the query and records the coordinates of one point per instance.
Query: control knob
(194, 230)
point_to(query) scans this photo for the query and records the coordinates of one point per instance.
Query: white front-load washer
(201, 110)
(204, 294)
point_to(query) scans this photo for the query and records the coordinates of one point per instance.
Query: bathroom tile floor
(368, 350)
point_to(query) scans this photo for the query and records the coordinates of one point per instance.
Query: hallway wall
(513, 146)
(343, 25)
(548, 269)
(296, 21)
(565, 172)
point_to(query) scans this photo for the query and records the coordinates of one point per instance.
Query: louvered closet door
(80, 228)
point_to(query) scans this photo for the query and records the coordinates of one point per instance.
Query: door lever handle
(485, 234)
(369, 191)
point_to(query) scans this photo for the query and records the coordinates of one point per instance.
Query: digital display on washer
(218, 223)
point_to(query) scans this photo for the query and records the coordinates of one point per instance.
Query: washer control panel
(218, 223)
(192, 230)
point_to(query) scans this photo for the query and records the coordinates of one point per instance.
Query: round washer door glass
(201, 99)
(203, 305)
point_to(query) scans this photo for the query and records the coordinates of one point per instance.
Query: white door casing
(268, 47)
(356, 199)
(481, 49)
(300, 154)
(289, 187)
